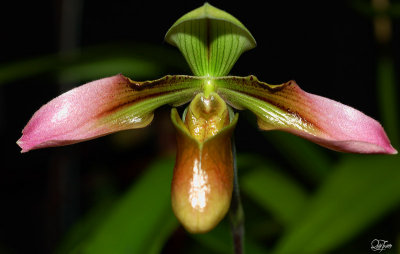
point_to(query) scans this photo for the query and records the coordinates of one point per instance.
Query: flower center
(206, 115)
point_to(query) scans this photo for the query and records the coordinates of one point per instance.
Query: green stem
(236, 213)
(386, 84)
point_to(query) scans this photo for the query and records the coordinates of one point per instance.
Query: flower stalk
(236, 213)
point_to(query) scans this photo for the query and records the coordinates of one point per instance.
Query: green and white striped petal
(210, 39)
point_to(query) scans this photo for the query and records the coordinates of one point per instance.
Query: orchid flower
(211, 41)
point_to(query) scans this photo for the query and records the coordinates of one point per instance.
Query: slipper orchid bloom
(211, 41)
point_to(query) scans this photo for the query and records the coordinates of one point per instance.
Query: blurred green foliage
(136, 60)
(358, 192)
(138, 222)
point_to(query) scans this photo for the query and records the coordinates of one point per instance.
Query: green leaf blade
(275, 192)
(136, 221)
(359, 192)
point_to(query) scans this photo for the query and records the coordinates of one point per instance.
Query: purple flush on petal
(79, 114)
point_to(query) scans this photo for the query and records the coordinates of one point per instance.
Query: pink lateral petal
(72, 117)
(318, 119)
(344, 128)
(102, 107)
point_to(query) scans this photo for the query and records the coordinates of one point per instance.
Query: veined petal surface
(210, 39)
(103, 106)
(324, 121)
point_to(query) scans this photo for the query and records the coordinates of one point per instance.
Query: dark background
(328, 47)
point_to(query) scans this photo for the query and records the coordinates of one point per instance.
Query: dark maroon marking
(139, 86)
(257, 84)
(275, 88)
